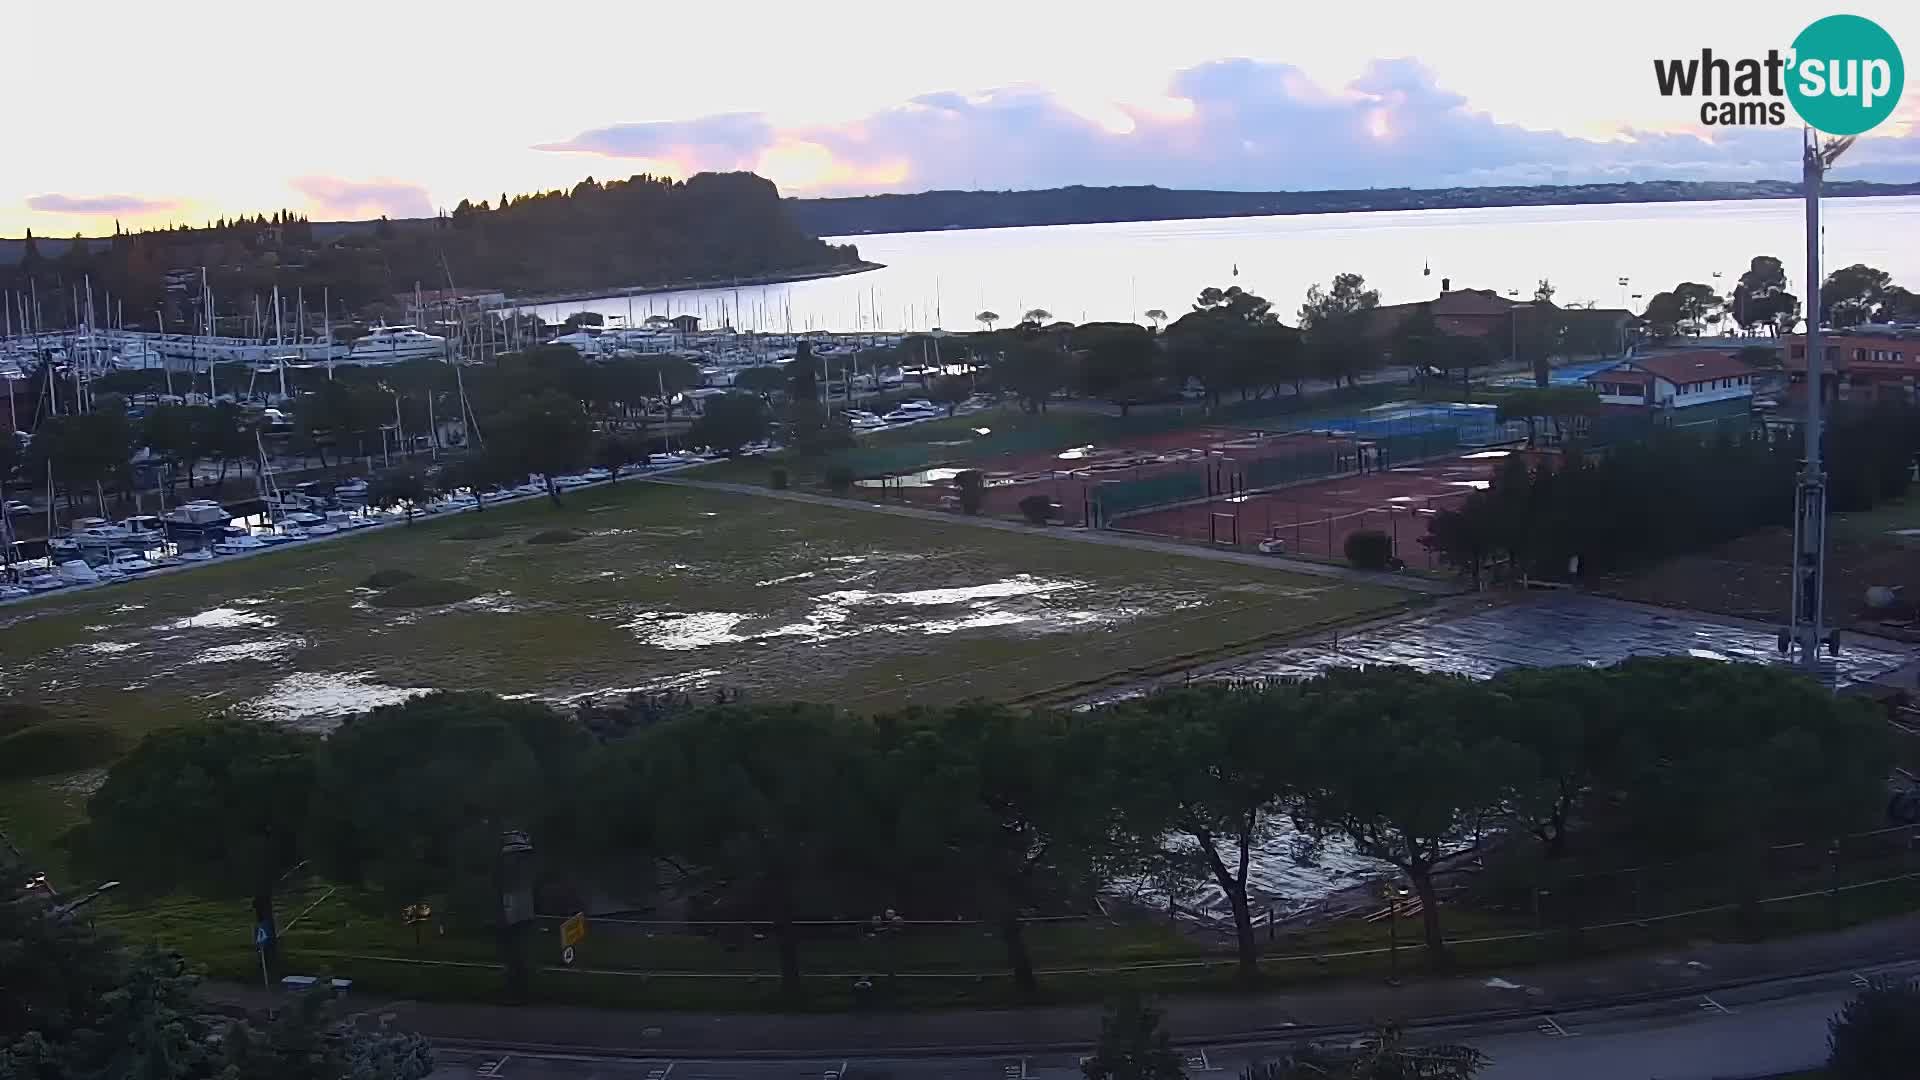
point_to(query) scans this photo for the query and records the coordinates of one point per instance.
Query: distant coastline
(937, 211)
(693, 285)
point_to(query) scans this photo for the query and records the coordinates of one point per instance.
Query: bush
(57, 746)
(1037, 508)
(387, 579)
(556, 536)
(779, 479)
(16, 717)
(425, 592)
(1369, 549)
(839, 478)
(973, 490)
(1877, 1034)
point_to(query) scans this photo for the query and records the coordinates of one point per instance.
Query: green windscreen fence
(1116, 497)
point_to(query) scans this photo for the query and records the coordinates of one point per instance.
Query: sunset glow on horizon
(152, 116)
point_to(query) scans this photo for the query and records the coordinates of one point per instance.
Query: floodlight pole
(1808, 631)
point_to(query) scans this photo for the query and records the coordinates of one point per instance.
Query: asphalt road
(1738, 1034)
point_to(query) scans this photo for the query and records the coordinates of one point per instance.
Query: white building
(1677, 380)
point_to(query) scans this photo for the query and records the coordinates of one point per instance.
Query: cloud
(330, 197)
(723, 142)
(1243, 125)
(55, 203)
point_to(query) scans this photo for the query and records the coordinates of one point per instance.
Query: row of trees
(1671, 494)
(595, 235)
(1763, 301)
(787, 812)
(79, 1004)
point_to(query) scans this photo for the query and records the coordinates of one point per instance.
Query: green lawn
(664, 587)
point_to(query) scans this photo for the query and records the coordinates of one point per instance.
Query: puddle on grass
(275, 648)
(108, 648)
(222, 618)
(1019, 585)
(317, 700)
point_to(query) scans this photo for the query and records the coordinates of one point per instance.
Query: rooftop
(1695, 365)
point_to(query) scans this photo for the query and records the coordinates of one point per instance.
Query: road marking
(492, 1068)
(1707, 1002)
(1198, 1062)
(1550, 1026)
(657, 1073)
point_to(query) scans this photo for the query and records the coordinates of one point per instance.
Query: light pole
(1807, 633)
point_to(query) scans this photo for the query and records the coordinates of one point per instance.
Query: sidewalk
(1294, 1013)
(1409, 582)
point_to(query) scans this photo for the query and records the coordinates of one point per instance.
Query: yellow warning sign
(574, 930)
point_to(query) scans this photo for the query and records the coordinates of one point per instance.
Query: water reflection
(316, 700)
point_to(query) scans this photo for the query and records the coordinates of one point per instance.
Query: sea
(1120, 271)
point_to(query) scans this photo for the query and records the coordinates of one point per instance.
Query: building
(686, 324)
(1863, 364)
(1504, 322)
(1675, 380)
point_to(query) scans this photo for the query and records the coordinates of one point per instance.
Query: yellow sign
(573, 931)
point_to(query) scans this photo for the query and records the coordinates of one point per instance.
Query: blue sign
(261, 935)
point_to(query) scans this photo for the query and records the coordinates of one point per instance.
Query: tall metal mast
(1808, 632)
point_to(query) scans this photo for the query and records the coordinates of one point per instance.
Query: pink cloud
(103, 205)
(331, 197)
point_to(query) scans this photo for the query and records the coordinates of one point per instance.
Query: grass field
(660, 587)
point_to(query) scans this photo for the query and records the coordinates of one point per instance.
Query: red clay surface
(1316, 518)
(1067, 476)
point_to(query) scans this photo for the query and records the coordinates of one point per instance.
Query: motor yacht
(392, 344)
(239, 545)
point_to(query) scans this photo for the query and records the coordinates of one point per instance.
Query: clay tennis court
(1316, 518)
(1071, 476)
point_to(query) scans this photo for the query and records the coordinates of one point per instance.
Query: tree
(951, 391)
(803, 374)
(1404, 765)
(764, 381)
(426, 800)
(547, 433)
(1036, 317)
(1852, 295)
(1133, 1045)
(1564, 406)
(1332, 322)
(1761, 297)
(987, 319)
(217, 809)
(1876, 1035)
(1369, 549)
(1231, 340)
(168, 432)
(730, 422)
(1033, 370)
(1543, 293)
(403, 487)
(1212, 765)
(1120, 363)
(972, 486)
(1688, 309)
(999, 809)
(615, 451)
(1156, 317)
(760, 800)
(1037, 509)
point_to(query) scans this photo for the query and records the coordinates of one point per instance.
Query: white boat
(352, 489)
(194, 555)
(199, 517)
(14, 592)
(145, 530)
(239, 545)
(304, 519)
(128, 562)
(77, 572)
(98, 533)
(41, 579)
(392, 344)
(63, 545)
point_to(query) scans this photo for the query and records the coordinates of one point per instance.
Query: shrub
(779, 479)
(1877, 1034)
(973, 490)
(57, 746)
(556, 536)
(1037, 508)
(387, 579)
(1369, 549)
(14, 717)
(425, 592)
(839, 478)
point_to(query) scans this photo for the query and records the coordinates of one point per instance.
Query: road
(1742, 1033)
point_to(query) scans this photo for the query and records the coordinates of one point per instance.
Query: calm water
(1119, 271)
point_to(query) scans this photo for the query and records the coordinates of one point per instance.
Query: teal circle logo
(1846, 75)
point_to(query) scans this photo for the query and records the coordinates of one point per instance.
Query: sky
(149, 114)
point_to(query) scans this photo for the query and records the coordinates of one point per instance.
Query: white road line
(1707, 1002)
(1550, 1026)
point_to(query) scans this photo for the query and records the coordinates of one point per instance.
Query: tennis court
(1316, 518)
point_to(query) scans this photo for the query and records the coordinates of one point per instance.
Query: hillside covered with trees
(931, 210)
(644, 230)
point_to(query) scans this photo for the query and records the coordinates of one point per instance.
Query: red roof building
(1861, 365)
(1675, 380)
